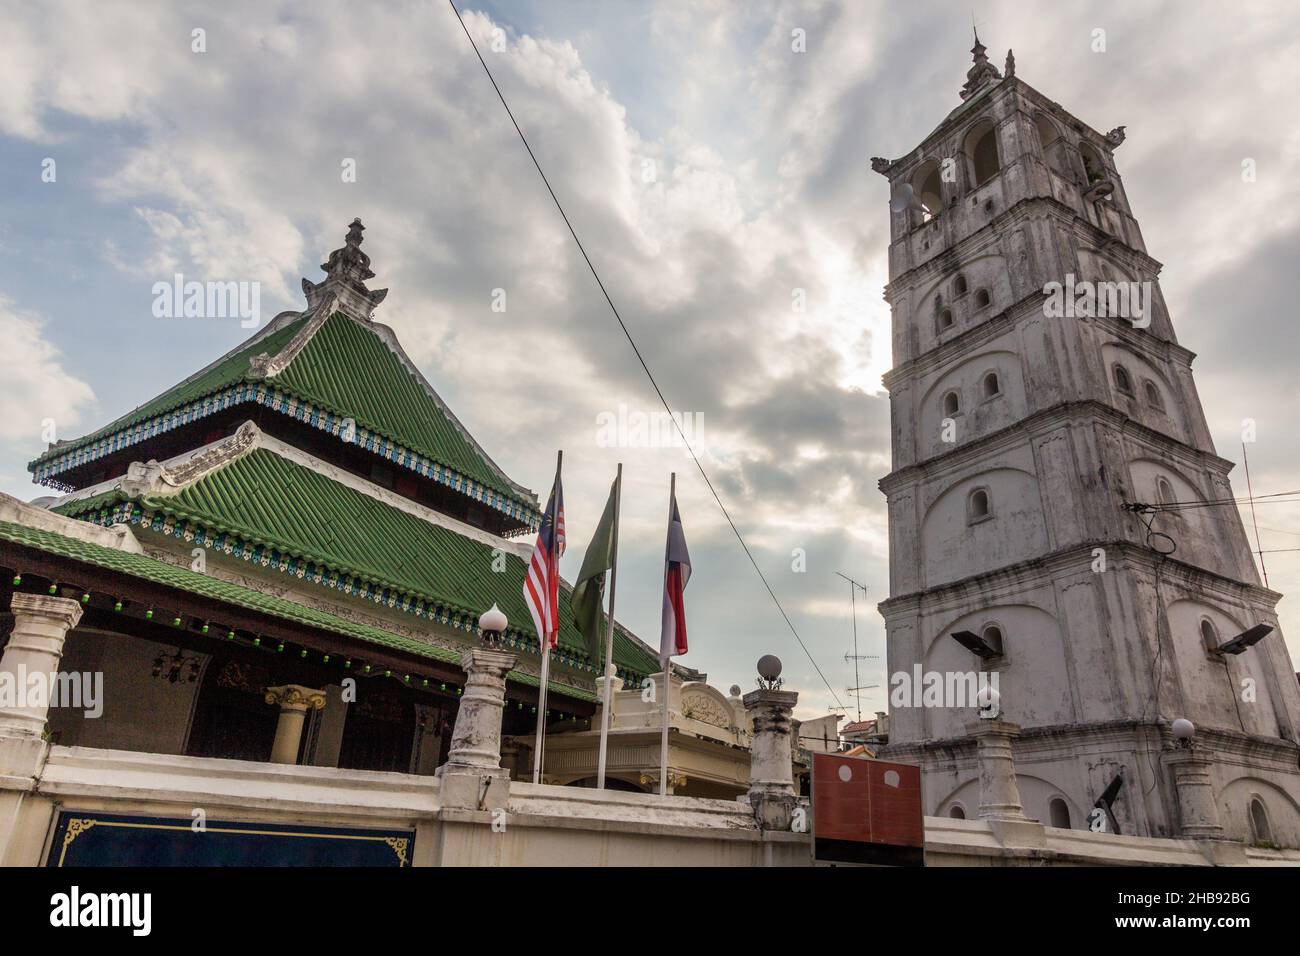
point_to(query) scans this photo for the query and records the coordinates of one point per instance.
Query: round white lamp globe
(492, 620)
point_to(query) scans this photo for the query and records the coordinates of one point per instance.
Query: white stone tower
(1019, 436)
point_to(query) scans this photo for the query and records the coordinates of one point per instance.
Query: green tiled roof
(158, 572)
(229, 371)
(344, 369)
(349, 370)
(264, 499)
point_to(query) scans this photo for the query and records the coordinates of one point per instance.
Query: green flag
(588, 595)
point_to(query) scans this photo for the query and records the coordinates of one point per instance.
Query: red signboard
(866, 811)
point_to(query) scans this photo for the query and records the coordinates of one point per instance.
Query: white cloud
(36, 389)
(231, 162)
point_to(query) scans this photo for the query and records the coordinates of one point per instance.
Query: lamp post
(1198, 810)
(771, 778)
(476, 738)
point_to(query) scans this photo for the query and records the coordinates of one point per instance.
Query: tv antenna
(858, 688)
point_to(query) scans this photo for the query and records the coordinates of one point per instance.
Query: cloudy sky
(709, 169)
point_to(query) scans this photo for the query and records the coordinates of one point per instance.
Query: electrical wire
(1258, 547)
(1280, 497)
(641, 359)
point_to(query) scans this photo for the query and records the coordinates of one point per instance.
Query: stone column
(999, 793)
(771, 773)
(41, 625)
(294, 701)
(1198, 812)
(476, 738)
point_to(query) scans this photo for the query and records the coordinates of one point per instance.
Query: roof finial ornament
(355, 229)
(346, 272)
(981, 71)
(1009, 68)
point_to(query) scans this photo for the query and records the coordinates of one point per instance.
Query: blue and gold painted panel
(88, 838)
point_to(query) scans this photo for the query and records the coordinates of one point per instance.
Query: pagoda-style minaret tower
(1021, 431)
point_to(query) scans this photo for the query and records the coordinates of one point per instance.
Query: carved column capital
(294, 701)
(296, 697)
(487, 661)
(64, 612)
(41, 625)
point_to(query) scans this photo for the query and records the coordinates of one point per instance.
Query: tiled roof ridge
(265, 365)
(386, 335)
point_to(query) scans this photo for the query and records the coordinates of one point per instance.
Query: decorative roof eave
(278, 400)
(154, 515)
(172, 476)
(147, 497)
(63, 449)
(115, 561)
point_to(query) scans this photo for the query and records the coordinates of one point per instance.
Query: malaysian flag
(542, 583)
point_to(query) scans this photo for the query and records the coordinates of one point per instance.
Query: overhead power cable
(1213, 502)
(650, 375)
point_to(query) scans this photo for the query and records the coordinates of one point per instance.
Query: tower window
(1260, 830)
(945, 320)
(1049, 138)
(982, 145)
(951, 404)
(982, 298)
(959, 286)
(977, 505)
(1058, 812)
(956, 812)
(992, 387)
(1153, 396)
(1123, 381)
(1093, 168)
(1165, 492)
(928, 191)
(1209, 636)
(992, 635)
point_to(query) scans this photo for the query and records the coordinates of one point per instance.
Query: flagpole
(541, 712)
(666, 659)
(540, 741)
(609, 636)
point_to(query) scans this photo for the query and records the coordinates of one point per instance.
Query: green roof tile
(268, 500)
(349, 370)
(346, 369)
